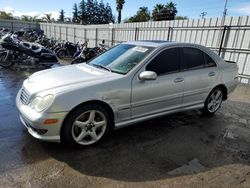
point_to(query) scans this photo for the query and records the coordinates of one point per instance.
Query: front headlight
(42, 103)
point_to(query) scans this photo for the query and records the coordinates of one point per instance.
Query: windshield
(122, 58)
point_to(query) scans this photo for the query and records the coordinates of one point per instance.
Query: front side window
(122, 58)
(166, 62)
(193, 58)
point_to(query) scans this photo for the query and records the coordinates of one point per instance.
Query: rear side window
(209, 61)
(193, 58)
(167, 61)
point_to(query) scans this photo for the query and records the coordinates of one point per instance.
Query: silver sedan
(132, 82)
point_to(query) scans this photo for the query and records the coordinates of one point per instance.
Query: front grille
(24, 96)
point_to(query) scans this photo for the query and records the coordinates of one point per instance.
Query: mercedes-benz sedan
(132, 82)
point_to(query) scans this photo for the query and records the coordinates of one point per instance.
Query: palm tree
(165, 12)
(119, 7)
(171, 9)
(47, 17)
(157, 11)
(25, 18)
(5, 15)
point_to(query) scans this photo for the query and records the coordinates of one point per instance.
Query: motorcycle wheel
(5, 60)
(77, 61)
(61, 54)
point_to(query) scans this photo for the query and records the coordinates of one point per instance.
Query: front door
(163, 94)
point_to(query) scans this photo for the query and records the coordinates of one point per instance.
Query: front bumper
(34, 122)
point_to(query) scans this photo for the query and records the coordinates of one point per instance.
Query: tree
(142, 15)
(47, 18)
(82, 12)
(119, 7)
(164, 12)
(181, 17)
(5, 15)
(75, 12)
(109, 17)
(90, 12)
(61, 16)
(25, 18)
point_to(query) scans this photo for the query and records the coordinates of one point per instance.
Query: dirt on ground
(179, 150)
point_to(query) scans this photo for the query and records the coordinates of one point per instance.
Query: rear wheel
(61, 54)
(213, 102)
(86, 126)
(5, 59)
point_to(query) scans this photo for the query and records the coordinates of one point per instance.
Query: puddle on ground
(192, 167)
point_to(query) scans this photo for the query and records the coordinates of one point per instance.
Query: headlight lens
(42, 103)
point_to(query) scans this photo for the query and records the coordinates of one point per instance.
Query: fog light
(50, 121)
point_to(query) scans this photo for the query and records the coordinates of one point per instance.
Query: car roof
(160, 43)
(150, 43)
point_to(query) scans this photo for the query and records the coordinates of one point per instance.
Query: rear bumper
(231, 86)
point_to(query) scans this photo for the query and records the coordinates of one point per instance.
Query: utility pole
(224, 13)
(225, 9)
(203, 14)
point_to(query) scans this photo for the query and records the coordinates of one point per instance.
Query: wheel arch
(101, 103)
(224, 90)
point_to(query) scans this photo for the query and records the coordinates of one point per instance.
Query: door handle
(211, 74)
(177, 80)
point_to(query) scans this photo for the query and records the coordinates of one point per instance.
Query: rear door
(200, 75)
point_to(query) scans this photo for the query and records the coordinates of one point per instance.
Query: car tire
(213, 101)
(85, 126)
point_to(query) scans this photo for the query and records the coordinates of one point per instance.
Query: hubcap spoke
(93, 135)
(81, 136)
(92, 116)
(99, 124)
(218, 95)
(80, 124)
(210, 105)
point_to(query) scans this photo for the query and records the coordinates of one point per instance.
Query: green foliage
(82, 12)
(5, 15)
(142, 15)
(29, 18)
(61, 16)
(181, 17)
(164, 12)
(93, 12)
(76, 16)
(47, 18)
(119, 7)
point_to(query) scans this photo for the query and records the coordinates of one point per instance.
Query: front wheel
(213, 102)
(6, 60)
(86, 126)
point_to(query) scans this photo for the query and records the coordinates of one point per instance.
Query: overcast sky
(190, 8)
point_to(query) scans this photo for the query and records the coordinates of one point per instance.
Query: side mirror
(148, 75)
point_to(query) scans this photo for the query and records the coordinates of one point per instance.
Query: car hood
(66, 76)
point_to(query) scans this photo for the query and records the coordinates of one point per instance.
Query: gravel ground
(180, 150)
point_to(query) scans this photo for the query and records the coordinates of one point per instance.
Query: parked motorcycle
(68, 50)
(24, 52)
(89, 53)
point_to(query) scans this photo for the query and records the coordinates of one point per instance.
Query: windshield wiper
(103, 67)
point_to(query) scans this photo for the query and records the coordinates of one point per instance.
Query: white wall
(207, 32)
(15, 25)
